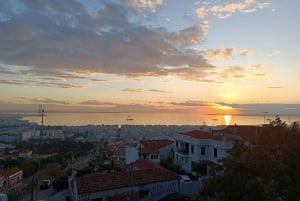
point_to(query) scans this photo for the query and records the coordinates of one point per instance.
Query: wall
(131, 154)
(166, 151)
(155, 191)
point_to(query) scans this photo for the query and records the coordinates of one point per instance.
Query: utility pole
(41, 113)
(265, 113)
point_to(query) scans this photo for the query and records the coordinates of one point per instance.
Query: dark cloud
(60, 38)
(191, 103)
(95, 102)
(49, 83)
(47, 101)
(271, 109)
(132, 90)
(274, 87)
(158, 91)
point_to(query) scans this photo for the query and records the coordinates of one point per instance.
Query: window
(176, 143)
(215, 152)
(192, 149)
(202, 151)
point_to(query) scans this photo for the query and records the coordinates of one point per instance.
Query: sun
(227, 119)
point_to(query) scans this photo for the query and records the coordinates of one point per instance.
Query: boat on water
(129, 118)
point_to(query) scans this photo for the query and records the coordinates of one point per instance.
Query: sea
(81, 119)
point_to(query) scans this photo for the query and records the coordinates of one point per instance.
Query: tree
(268, 170)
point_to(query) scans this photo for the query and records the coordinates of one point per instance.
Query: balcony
(182, 151)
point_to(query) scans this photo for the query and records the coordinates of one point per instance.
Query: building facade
(153, 150)
(196, 151)
(11, 179)
(138, 185)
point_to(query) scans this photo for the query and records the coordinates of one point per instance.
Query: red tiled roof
(145, 164)
(202, 135)
(153, 146)
(11, 171)
(97, 182)
(247, 133)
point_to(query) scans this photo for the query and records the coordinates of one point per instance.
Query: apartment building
(196, 151)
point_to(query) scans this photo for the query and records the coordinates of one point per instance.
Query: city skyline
(212, 57)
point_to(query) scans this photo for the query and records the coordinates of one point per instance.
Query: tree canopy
(267, 170)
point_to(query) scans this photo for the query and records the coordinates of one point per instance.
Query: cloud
(220, 54)
(13, 82)
(271, 109)
(98, 80)
(202, 13)
(48, 101)
(158, 91)
(190, 103)
(245, 52)
(247, 6)
(210, 81)
(226, 10)
(277, 52)
(233, 72)
(61, 39)
(31, 82)
(132, 90)
(143, 4)
(274, 87)
(95, 102)
(242, 72)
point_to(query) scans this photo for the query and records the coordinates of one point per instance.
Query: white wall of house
(188, 150)
(153, 191)
(166, 151)
(131, 155)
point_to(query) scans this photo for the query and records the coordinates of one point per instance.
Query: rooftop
(197, 134)
(97, 182)
(153, 146)
(145, 165)
(247, 133)
(10, 172)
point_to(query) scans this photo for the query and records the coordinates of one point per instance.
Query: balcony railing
(183, 151)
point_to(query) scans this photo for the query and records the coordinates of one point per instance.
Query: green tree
(268, 170)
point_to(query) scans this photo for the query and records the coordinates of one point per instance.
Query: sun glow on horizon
(227, 119)
(221, 107)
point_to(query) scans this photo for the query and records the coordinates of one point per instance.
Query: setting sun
(227, 119)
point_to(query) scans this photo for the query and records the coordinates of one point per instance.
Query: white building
(143, 184)
(196, 151)
(153, 150)
(25, 153)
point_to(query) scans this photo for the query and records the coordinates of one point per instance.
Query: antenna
(265, 114)
(41, 114)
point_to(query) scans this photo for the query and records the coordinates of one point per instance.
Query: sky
(211, 57)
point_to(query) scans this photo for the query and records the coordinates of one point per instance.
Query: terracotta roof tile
(153, 146)
(97, 182)
(11, 171)
(146, 164)
(197, 134)
(247, 133)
